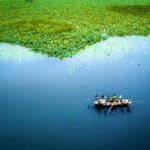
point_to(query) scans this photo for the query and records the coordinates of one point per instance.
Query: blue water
(44, 102)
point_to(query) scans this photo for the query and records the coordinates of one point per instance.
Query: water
(44, 101)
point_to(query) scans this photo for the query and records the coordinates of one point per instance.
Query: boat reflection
(122, 110)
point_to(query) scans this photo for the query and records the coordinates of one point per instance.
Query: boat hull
(117, 106)
(103, 103)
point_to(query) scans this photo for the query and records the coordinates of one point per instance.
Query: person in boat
(113, 99)
(96, 97)
(102, 96)
(108, 98)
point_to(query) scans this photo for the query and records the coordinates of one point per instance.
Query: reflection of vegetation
(63, 31)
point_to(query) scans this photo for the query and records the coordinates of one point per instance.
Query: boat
(112, 102)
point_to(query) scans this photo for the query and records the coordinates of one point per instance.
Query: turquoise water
(44, 101)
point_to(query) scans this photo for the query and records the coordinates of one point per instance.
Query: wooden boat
(113, 102)
(107, 103)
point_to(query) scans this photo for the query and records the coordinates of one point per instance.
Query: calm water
(44, 101)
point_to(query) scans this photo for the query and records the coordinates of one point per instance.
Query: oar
(109, 110)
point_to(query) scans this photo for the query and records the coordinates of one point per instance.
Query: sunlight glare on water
(113, 49)
(16, 53)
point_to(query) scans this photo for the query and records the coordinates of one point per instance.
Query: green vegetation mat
(63, 28)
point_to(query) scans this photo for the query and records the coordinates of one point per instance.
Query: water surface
(44, 101)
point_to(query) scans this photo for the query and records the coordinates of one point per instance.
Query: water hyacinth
(59, 31)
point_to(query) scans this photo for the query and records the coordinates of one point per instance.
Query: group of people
(112, 98)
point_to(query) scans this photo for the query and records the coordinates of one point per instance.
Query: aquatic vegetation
(63, 31)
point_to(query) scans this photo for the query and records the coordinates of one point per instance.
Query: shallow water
(44, 101)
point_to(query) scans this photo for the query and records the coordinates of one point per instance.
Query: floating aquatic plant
(63, 31)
